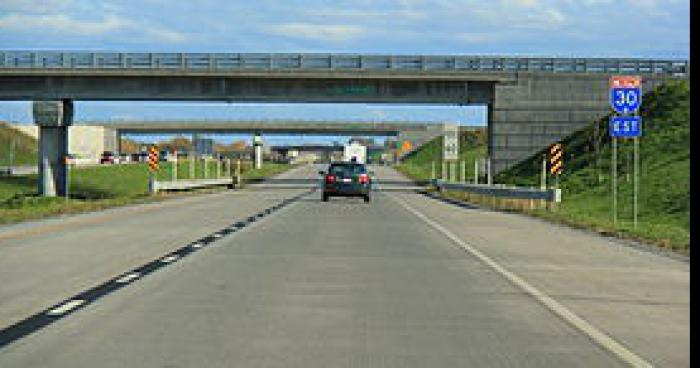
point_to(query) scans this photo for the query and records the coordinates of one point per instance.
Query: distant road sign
(625, 93)
(450, 142)
(625, 126)
(556, 159)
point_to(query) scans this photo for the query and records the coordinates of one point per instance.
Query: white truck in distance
(356, 150)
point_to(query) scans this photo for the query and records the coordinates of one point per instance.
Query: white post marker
(476, 171)
(174, 171)
(543, 179)
(489, 178)
(192, 162)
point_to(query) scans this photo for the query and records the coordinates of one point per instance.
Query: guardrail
(324, 62)
(502, 191)
(189, 184)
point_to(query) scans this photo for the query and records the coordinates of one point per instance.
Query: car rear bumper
(357, 191)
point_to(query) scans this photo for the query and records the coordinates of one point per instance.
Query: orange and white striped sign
(153, 158)
(556, 159)
(625, 81)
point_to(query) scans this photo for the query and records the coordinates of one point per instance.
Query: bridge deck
(232, 62)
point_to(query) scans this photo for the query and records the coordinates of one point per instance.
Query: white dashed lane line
(128, 278)
(169, 259)
(65, 307)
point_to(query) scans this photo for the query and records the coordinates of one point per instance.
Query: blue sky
(585, 28)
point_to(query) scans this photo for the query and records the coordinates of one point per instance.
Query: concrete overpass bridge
(417, 132)
(531, 102)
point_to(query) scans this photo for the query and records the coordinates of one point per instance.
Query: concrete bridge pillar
(257, 143)
(53, 119)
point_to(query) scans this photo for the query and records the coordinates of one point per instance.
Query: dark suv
(348, 179)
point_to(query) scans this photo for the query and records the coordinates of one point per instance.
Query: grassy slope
(95, 188)
(25, 146)
(664, 196)
(418, 165)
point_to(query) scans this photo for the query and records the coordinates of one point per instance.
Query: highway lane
(346, 283)
(44, 262)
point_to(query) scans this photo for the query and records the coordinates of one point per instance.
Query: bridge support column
(53, 119)
(257, 143)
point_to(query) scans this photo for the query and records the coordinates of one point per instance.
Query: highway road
(273, 277)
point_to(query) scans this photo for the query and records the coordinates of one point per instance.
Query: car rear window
(347, 170)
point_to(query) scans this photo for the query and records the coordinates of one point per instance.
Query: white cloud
(319, 32)
(61, 23)
(111, 25)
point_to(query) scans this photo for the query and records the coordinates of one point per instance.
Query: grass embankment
(94, 188)
(664, 190)
(419, 164)
(25, 147)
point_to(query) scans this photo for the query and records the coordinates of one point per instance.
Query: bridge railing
(352, 62)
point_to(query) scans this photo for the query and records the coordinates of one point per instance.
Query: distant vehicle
(123, 158)
(108, 158)
(347, 179)
(355, 152)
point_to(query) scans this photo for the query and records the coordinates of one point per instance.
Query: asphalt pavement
(402, 281)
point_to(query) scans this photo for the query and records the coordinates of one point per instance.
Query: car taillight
(330, 179)
(364, 179)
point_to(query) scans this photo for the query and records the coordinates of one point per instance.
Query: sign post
(153, 167)
(625, 99)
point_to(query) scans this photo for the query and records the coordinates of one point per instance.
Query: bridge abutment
(539, 109)
(53, 119)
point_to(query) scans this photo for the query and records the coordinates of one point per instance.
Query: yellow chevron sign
(153, 158)
(556, 159)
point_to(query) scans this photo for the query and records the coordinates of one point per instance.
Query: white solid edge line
(67, 306)
(598, 336)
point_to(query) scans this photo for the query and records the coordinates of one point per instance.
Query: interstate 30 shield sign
(625, 93)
